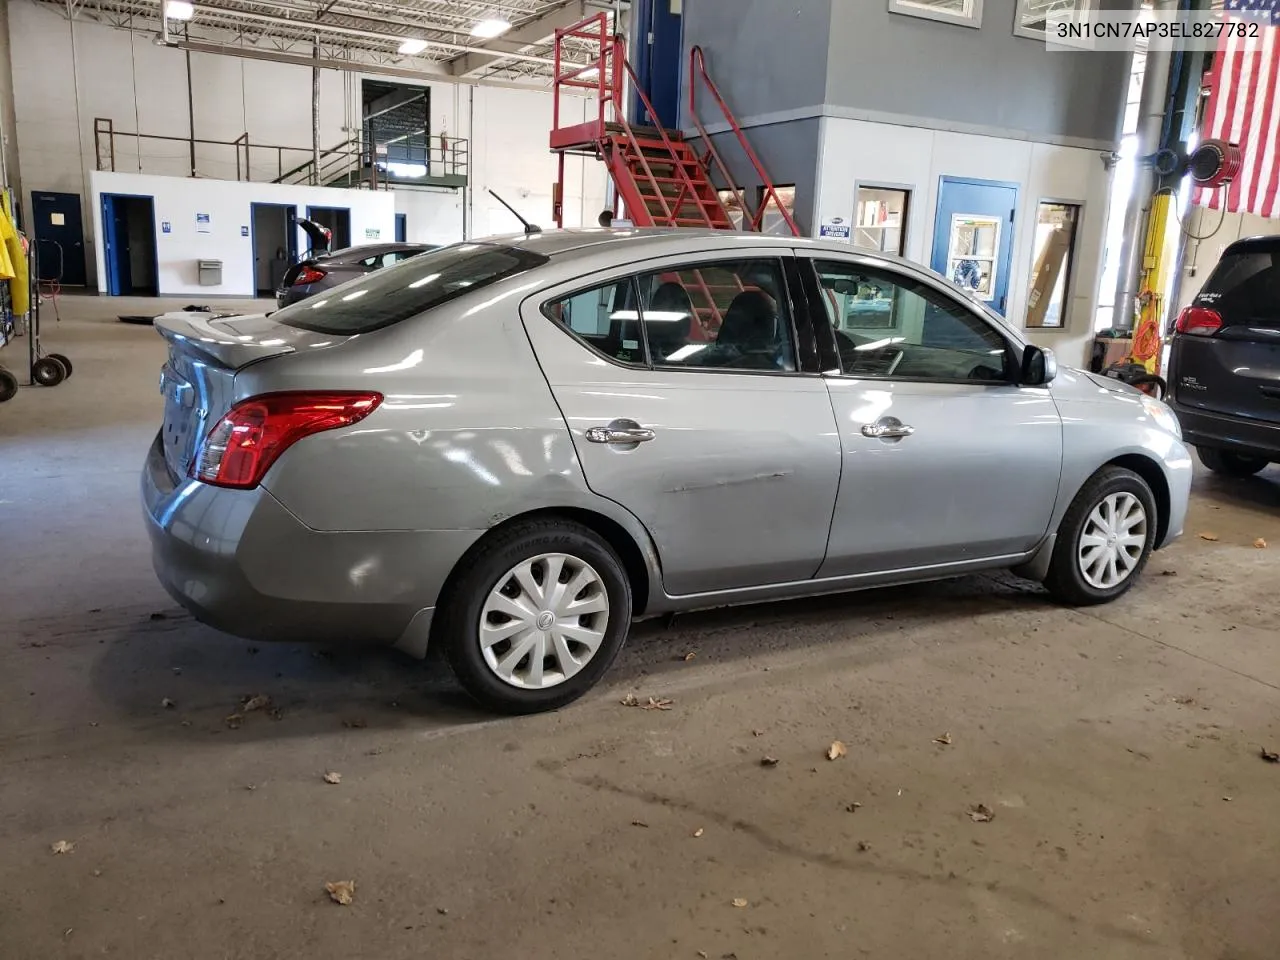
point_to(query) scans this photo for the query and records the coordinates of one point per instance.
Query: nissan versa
(513, 448)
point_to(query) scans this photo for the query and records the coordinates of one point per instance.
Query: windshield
(1245, 289)
(408, 288)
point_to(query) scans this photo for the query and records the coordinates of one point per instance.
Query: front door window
(972, 255)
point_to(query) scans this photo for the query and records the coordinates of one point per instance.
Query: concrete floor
(1118, 749)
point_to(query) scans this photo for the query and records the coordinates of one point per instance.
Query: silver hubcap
(1112, 541)
(543, 621)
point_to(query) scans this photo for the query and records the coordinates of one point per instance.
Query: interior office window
(732, 201)
(1031, 17)
(880, 219)
(728, 315)
(973, 252)
(605, 318)
(1055, 244)
(890, 325)
(773, 220)
(966, 13)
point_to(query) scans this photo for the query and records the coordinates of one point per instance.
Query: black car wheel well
(1150, 471)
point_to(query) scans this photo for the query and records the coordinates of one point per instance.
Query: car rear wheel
(1104, 540)
(1230, 464)
(535, 616)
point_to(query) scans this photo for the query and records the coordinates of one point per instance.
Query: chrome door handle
(619, 435)
(887, 429)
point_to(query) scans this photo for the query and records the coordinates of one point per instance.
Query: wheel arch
(1150, 471)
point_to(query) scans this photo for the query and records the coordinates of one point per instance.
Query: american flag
(1243, 109)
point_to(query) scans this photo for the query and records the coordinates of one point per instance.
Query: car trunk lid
(198, 380)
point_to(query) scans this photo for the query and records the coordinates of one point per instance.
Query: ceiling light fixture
(491, 27)
(413, 45)
(179, 10)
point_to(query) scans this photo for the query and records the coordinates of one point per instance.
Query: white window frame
(1020, 9)
(914, 9)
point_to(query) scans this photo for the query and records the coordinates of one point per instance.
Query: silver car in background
(512, 448)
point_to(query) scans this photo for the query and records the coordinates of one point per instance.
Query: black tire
(1230, 464)
(64, 360)
(8, 385)
(458, 626)
(1065, 580)
(48, 372)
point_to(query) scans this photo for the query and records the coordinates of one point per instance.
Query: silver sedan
(512, 448)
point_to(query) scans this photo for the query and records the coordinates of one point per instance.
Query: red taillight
(308, 275)
(1199, 322)
(245, 443)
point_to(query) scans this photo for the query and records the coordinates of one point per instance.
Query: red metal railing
(698, 75)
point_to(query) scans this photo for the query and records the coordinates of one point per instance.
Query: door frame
(912, 191)
(290, 236)
(402, 228)
(110, 257)
(942, 228)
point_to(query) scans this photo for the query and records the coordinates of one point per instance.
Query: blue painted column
(656, 53)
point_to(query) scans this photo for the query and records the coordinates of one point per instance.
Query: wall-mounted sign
(835, 228)
(372, 233)
(244, 231)
(203, 224)
(166, 226)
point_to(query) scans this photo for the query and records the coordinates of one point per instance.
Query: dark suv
(1224, 368)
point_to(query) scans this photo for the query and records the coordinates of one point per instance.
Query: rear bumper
(1240, 435)
(242, 563)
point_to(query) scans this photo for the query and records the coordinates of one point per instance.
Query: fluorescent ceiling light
(413, 45)
(490, 28)
(179, 9)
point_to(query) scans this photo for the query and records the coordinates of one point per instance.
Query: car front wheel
(1230, 464)
(536, 616)
(1104, 540)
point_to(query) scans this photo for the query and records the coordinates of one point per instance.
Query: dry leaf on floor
(689, 656)
(768, 761)
(63, 846)
(852, 807)
(836, 750)
(639, 823)
(703, 954)
(739, 902)
(1168, 573)
(698, 832)
(341, 891)
(1209, 536)
(1260, 544)
(257, 701)
(658, 703)
(333, 777)
(757, 733)
(945, 739)
(235, 720)
(1228, 799)
(863, 846)
(630, 700)
(981, 813)
(167, 703)
(1185, 701)
(1269, 756)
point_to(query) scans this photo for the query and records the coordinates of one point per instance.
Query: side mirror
(1039, 367)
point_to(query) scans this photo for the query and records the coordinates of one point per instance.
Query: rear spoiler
(210, 335)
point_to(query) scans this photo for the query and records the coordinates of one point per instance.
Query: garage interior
(962, 769)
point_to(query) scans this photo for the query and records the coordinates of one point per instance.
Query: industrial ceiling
(367, 34)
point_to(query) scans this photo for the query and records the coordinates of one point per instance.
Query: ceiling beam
(534, 31)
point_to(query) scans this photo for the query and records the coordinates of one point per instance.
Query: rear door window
(393, 294)
(1245, 289)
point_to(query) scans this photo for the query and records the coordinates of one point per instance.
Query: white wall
(860, 152)
(142, 87)
(179, 199)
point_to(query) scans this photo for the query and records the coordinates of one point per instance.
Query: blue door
(402, 227)
(129, 245)
(59, 237)
(973, 236)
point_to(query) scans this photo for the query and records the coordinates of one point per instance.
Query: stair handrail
(619, 56)
(698, 71)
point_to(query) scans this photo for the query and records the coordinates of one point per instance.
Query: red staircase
(660, 179)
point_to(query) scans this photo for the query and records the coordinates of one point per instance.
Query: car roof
(656, 241)
(374, 249)
(1269, 244)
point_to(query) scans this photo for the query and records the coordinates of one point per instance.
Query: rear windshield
(1245, 289)
(406, 289)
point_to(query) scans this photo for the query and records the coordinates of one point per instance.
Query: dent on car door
(681, 388)
(947, 459)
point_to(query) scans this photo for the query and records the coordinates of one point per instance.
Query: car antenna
(529, 228)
